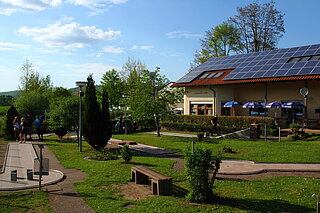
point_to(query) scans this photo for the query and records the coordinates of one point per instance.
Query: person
(16, 128)
(29, 124)
(214, 123)
(120, 126)
(39, 129)
(23, 130)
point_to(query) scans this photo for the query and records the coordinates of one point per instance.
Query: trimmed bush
(199, 123)
(126, 153)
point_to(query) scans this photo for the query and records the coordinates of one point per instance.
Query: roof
(280, 63)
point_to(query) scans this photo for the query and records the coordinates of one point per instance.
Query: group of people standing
(24, 127)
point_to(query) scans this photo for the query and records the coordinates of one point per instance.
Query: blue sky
(69, 39)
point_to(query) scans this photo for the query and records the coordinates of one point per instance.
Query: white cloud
(69, 36)
(182, 34)
(12, 46)
(112, 49)
(97, 6)
(83, 70)
(136, 47)
(7, 7)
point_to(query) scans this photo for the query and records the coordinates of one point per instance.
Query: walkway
(234, 167)
(21, 157)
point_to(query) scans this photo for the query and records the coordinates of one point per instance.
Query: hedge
(200, 123)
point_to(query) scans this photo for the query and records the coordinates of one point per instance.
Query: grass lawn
(259, 151)
(281, 194)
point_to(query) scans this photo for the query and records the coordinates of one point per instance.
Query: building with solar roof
(263, 77)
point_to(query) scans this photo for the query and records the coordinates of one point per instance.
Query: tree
(11, 114)
(150, 96)
(35, 92)
(6, 100)
(97, 125)
(114, 85)
(64, 113)
(219, 41)
(31, 80)
(260, 26)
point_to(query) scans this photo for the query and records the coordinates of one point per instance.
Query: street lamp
(80, 84)
(125, 116)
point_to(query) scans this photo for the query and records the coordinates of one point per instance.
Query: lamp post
(80, 84)
(125, 116)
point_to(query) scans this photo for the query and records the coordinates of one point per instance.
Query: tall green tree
(150, 96)
(35, 92)
(221, 40)
(11, 114)
(97, 127)
(114, 85)
(64, 113)
(260, 26)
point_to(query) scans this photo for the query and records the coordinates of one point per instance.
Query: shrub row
(198, 123)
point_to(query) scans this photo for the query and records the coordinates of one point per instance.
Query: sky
(69, 39)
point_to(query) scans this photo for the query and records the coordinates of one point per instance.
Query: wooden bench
(160, 184)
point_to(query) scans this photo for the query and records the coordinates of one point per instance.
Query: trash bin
(14, 175)
(254, 131)
(45, 166)
(29, 174)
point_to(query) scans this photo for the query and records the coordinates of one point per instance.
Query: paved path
(21, 157)
(234, 167)
(243, 167)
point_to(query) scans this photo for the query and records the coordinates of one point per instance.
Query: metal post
(80, 120)
(279, 133)
(265, 132)
(125, 120)
(40, 167)
(80, 84)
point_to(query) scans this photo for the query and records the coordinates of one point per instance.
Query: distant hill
(11, 93)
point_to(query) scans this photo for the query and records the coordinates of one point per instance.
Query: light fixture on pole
(80, 84)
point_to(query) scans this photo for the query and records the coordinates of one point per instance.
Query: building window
(198, 108)
(291, 113)
(304, 58)
(211, 75)
(259, 111)
(225, 110)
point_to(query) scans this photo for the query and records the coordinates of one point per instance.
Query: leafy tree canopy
(114, 85)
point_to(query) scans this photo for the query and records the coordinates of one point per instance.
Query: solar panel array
(274, 63)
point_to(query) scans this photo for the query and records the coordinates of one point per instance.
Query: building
(263, 77)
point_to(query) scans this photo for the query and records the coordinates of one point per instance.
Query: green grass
(281, 194)
(26, 201)
(259, 151)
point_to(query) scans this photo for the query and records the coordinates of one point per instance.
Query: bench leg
(141, 178)
(164, 187)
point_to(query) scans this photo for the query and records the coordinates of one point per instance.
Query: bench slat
(151, 173)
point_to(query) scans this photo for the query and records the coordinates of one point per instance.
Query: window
(258, 111)
(225, 110)
(304, 58)
(200, 108)
(289, 113)
(211, 75)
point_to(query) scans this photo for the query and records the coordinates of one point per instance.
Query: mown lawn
(281, 194)
(260, 151)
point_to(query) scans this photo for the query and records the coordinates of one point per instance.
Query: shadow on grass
(179, 191)
(257, 205)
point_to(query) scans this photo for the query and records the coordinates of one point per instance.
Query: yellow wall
(279, 91)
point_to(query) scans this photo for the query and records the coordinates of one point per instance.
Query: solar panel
(280, 62)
